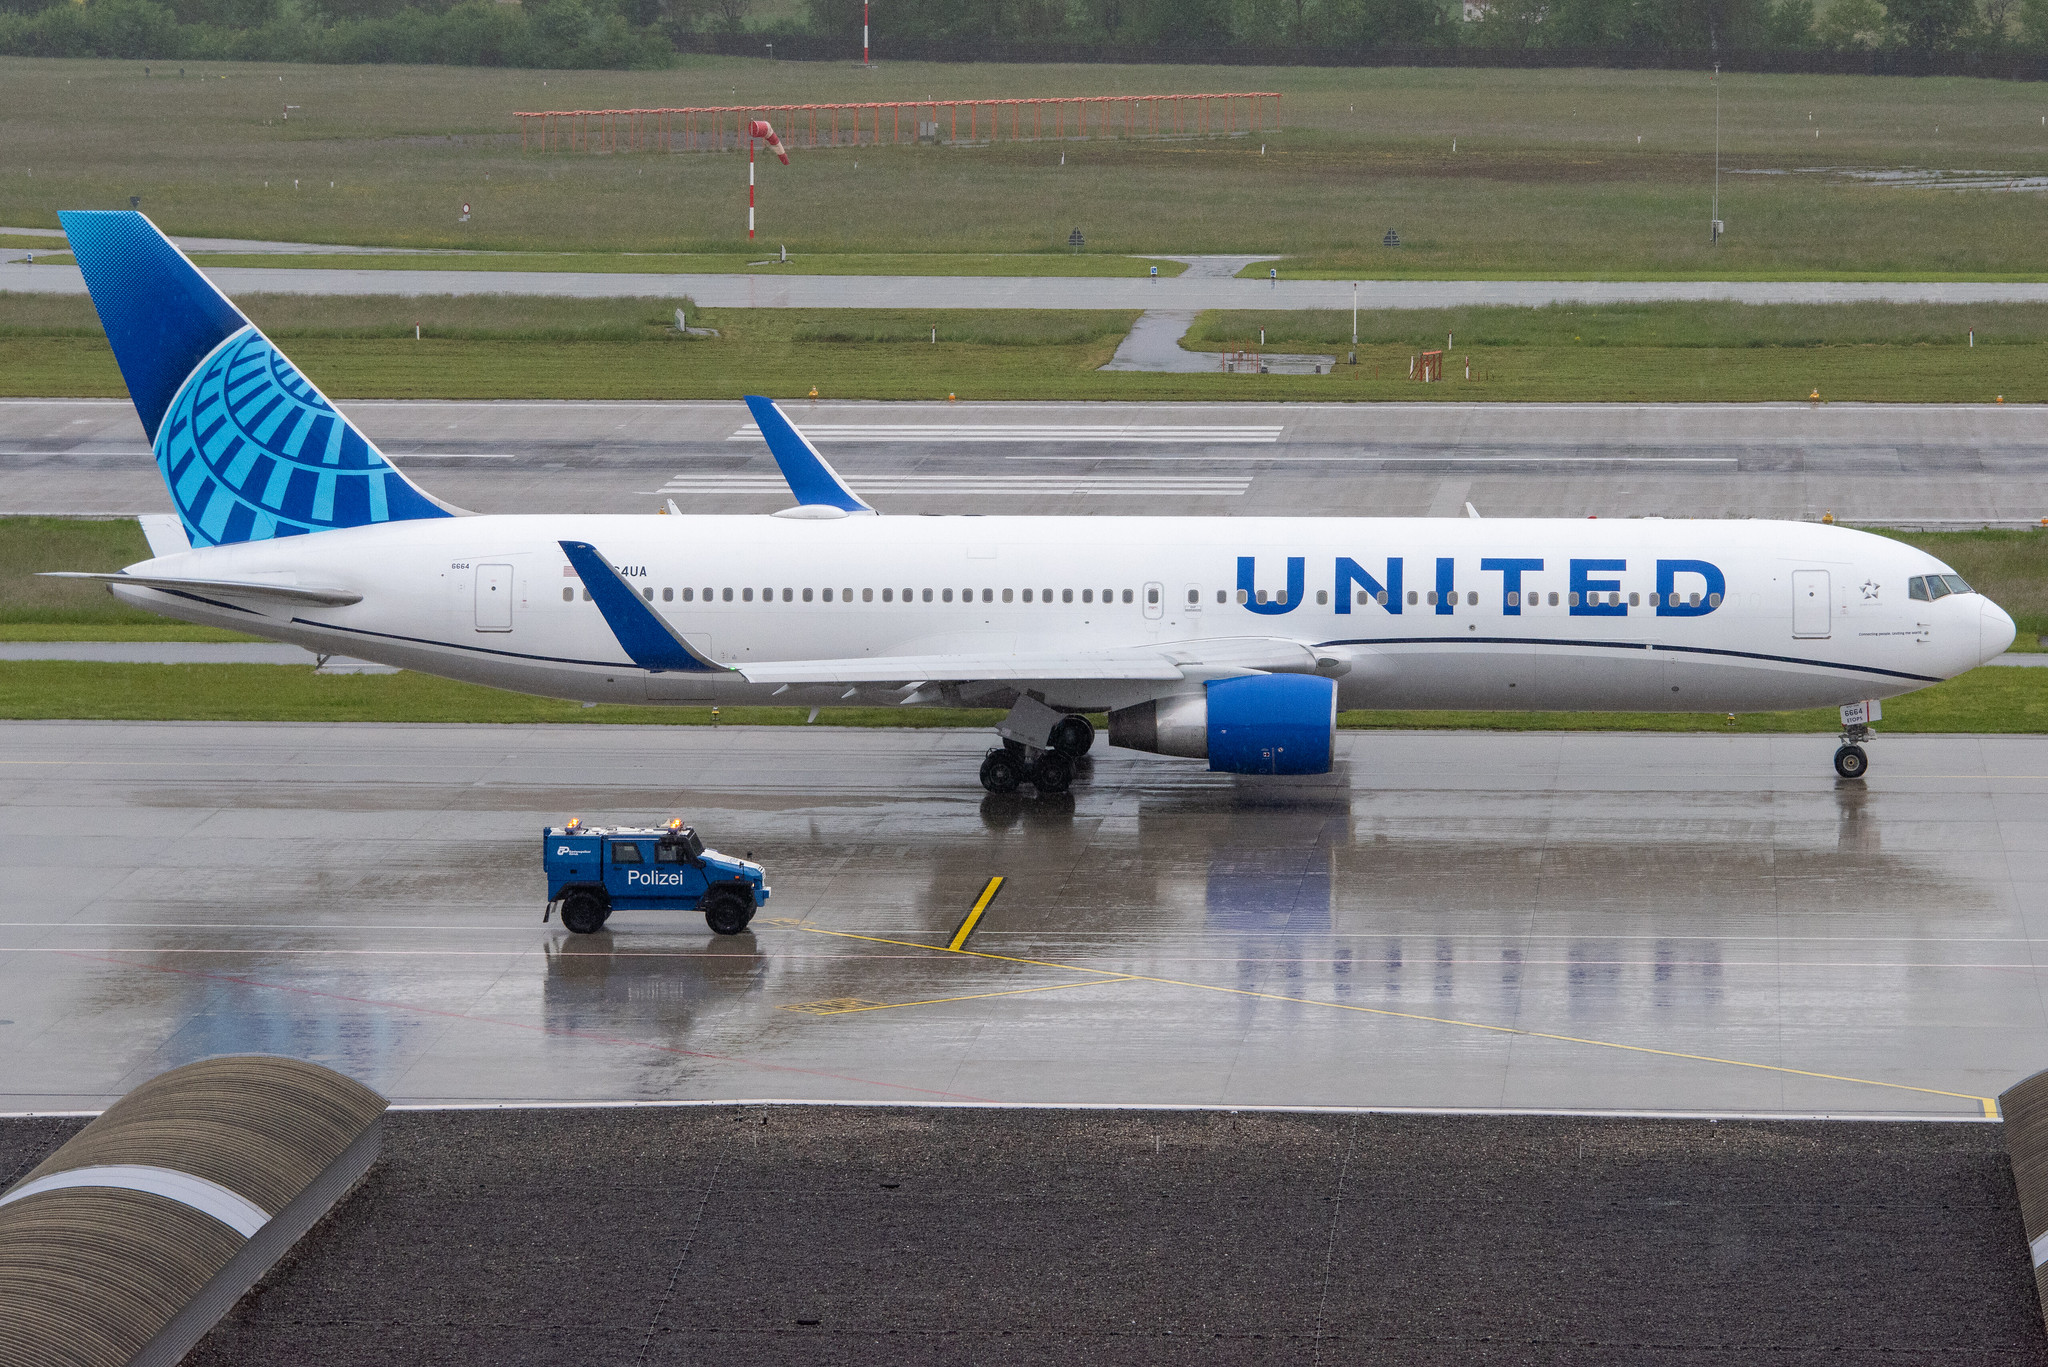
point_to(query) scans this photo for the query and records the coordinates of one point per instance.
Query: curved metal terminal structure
(2025, 1108)
(132, 1240)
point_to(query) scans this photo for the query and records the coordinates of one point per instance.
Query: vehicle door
(494, 598)
(678, 874)
(1810, 603)
(626, 868)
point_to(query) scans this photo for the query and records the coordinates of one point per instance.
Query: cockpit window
(1956, 584)
(1937, 587)
(1916, 589)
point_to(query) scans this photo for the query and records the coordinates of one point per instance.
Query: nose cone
(1995, 631)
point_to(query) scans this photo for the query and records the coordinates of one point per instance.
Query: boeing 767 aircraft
(1234, 640)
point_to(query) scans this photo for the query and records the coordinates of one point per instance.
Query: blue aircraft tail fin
(811, 477)
(249, 448)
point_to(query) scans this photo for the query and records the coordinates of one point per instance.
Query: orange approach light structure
(718, 128)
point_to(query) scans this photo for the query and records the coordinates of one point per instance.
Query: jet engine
(1267, 724)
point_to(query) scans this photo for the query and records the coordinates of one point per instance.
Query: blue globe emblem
(251, 451)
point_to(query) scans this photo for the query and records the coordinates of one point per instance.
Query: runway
(1451, 921)
(1933, 465)
(767, 291)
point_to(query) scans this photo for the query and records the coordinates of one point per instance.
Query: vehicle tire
(1073, 737)
(585, 912)
(1053, 772)
(1001, 771)
(727, 911)
(1851, 762)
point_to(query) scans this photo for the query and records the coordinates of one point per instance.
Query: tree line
(1785, 34)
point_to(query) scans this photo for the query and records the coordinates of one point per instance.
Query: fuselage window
(867, 595)
(1109, 595)
(928, 596)
(888, 595)
(1241, 595)
(1472, 599)
(845, 595)
(1220, 596)
(787, 594)
(1713, 600)
(1514, 599)
(728, 595)
(1382, 598)
(1066, 595)
(947, 595)
(1262, 595)
(1009, 595)
(1916, 589)
(807, 595)
(746, 595)
(648, 594)
(1653, 599)
(568, 595)
(1151, 598)
(1044, 596)
(1087, 595)
(1363, 598)
(828, 595)
(1279, 596)
(989, 595)
(690, 595)
(1694, 600)
(1553, 599)
(1127, 596)
(1411, 598)
(1432, 597)
(668, 595)
(586, 595)
(1636, 599)
(1956, 584)
(1572, 600)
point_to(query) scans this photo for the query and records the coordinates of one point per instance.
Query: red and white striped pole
(760, 128)
(864, 31)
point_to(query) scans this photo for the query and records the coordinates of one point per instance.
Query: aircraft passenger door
(1810, 600)
(1155, 601)
(494, 598)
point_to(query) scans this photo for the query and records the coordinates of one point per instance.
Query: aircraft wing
(1171, 661)
(289, 593)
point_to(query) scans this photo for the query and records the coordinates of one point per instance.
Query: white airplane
(1235, 640)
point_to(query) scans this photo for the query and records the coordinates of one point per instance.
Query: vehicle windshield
(1928, 587)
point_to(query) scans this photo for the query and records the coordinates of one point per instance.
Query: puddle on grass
(1916, 178)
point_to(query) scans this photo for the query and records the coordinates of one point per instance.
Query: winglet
(646, 638)
(811, 477)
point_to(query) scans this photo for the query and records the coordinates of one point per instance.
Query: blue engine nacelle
(1267, 724)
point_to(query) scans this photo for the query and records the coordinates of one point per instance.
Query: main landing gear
(1851, 761)
(1048, 768)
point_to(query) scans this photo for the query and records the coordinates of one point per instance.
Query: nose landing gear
(1851, 761)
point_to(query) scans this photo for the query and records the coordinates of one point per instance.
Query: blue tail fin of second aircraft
(811, 477)
(249, 448)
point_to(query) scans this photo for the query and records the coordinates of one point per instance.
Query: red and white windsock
(760, 128)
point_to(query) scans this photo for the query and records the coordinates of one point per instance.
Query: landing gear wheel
(727, 912)
(1851, 762)
(1052, 772)
(1001, 771)
(585, 912)
(1073, 737)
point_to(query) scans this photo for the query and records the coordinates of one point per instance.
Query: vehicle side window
(665, 853)
(626, 852)
(1956, 584)
(1916, 589)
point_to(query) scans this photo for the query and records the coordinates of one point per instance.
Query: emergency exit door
(1810, 601)
(494, 598)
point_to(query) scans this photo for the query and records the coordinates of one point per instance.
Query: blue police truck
(596, 870)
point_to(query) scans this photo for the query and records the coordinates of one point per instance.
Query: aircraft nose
(1995, 631)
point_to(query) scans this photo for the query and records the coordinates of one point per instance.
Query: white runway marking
(994, 432)
(1099, 485)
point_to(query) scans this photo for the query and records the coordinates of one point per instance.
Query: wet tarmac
(1563, 922)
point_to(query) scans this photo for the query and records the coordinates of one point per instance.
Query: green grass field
(1061, 263)
(1554, 173)
(510, 347)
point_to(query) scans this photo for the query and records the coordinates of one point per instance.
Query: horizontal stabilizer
(811, 477)
(646, 638)
(235, 588)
